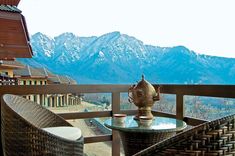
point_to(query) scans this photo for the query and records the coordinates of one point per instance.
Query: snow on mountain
(42, 43)
(119, 58)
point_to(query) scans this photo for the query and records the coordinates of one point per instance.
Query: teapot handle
(130, 99)
(157, 98)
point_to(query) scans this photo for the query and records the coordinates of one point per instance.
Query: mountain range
(118, 58)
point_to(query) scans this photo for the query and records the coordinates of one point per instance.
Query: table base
(134, 142)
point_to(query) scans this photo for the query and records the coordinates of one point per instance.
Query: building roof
(45, 72)
(14, 37)
(62, 80)
(72, 81)
(10, 64)
(10, 2)
(55, 79)
(67, 80)
(29, 72)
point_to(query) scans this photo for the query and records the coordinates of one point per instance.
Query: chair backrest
(216, 137)
(31, 112)
(22, 134)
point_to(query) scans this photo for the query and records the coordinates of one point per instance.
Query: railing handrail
(226, 91)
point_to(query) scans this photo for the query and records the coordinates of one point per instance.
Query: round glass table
(135, 136)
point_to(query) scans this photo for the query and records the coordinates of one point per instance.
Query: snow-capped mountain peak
(119, 58)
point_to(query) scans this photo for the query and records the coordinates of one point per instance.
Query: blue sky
(205, 26)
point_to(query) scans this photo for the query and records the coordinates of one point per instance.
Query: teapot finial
(142, 76)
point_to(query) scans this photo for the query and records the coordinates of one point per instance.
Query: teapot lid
(145, 85)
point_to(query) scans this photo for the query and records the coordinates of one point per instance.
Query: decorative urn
(143, 95)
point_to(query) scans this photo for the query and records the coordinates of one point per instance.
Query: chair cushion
(71, 133)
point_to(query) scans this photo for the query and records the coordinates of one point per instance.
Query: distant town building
(65, 99)
(41, 76)
(32, 76)
(15, 73)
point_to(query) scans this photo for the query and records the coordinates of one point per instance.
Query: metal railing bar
(163, 114)
(83, 115)
(99, 138)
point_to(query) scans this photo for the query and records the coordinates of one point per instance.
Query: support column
(56, 101)
(60, 99)
(31, 97)
(115, 135)
(70, 103)
(179, 107)
(64, 100)
(67, 99)
(51, 101)
(38, 99)
(46, 100)
(42, 99)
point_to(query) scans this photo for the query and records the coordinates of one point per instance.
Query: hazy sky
(205, 26)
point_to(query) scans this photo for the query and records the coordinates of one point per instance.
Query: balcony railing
(5, 80)
(226, 91)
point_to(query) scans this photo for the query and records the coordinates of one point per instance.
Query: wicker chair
(214, 138)
(23, 133)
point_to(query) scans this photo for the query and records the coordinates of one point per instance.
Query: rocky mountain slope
(119, 58)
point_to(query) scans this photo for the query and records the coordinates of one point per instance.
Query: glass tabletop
(158, 124)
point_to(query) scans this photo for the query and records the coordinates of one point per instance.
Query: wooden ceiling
(14, 38)
(10, 2)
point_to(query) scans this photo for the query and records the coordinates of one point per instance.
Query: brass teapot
(143, 95)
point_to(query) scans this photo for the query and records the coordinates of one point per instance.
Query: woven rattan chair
(23, 133)
(214, 138)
